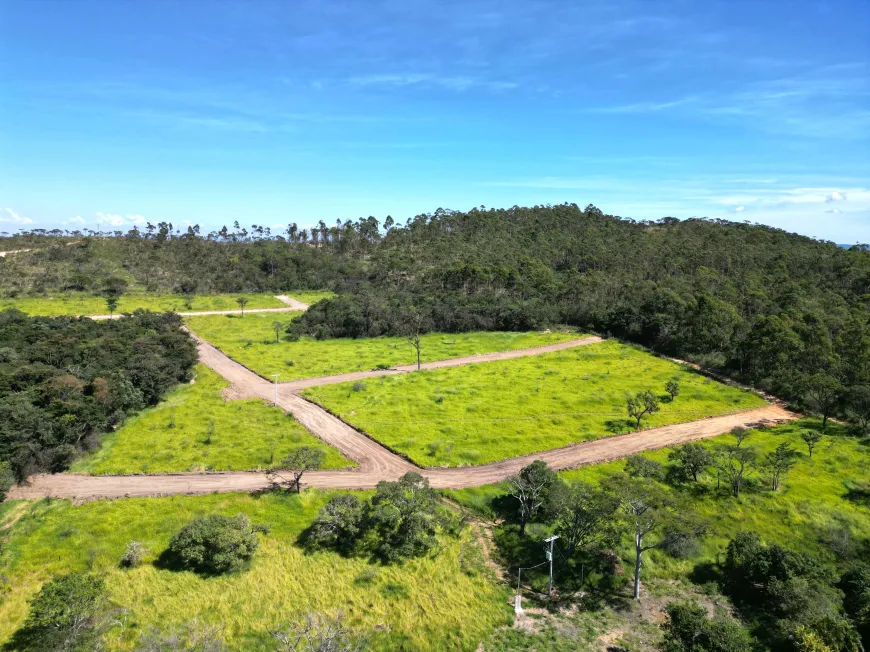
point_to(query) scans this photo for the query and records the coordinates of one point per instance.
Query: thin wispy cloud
(452, 83)
(9, 216)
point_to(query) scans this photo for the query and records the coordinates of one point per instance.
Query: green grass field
(173, 435)
(810, 507)
(489, 412)
(79, 303)
(251, 341)
(311, 297)
(434, 603)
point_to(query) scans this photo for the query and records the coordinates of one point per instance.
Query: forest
(64, 381)
(781, 311)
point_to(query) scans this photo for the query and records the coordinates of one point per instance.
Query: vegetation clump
(68, 613)
(215, 544)
(399, 522)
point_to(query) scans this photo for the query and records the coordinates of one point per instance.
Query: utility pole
(275, 376)
(550, 540)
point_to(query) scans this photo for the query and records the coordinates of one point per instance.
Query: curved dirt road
(84, 487)
(375, 462)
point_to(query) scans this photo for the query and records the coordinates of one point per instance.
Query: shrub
(339, 523)
(66, 614)
(359, 386)
(133, 554)
(215, 544)
(689, 629)
(638, 466)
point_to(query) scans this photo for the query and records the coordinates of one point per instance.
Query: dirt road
(305, 383)
(375, 463)
(84, 487)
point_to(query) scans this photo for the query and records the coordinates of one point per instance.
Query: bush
(339, 523)
(690, 630)
(133, 554)
(66, 614)
(215, 544)
(638, 466)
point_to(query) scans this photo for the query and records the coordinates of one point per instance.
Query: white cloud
(834, 210)
(739, 209)
(113, 219)
(835, 196)
(78, 219)
(13, 217)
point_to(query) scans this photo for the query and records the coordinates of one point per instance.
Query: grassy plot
(80, 303)
(815, 509)
(310, 296)
(251, 341)
(195, 428)
(435, 603)
(488, 412)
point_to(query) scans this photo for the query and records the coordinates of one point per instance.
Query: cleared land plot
(489, 412)
(310, 296)
(251, 340)
(820, 500)
(440, 602)
(196, 429)
(79, 303)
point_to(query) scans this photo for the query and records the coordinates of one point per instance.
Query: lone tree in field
(531, 487)
(692, 460)
(736, 463)
(779, 462)
(672, 387)
(823, 393)
(650, 516)
(112, 290)
(242, 301)
(300, 460)
(215, 544)
(277, 326)
(413, 326)
(641, 405)
(811, 438)
(68, 613)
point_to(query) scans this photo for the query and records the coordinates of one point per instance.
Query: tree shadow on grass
(857, 492)
(619, 426)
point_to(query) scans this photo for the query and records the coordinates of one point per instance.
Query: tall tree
(779, 462)
(530, 487)
(823, 394)
(300, 460)
(811, 438)
(650, 516)
(582, 514)
(642, 404)
(736, 463)
(692, 459)
(242, 301)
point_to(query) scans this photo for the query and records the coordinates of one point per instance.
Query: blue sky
(114, 113)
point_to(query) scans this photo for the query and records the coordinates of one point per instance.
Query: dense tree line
(783, 311)
(64, 381)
